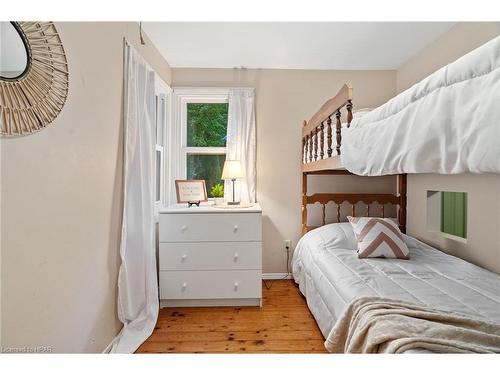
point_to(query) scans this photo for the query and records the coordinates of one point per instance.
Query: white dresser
(210, 256)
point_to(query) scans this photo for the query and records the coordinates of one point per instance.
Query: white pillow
(358, 114)
(378, 238)
(361, 112)
(332, 236)
(340, 235)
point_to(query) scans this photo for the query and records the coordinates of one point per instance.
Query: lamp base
(233, 203)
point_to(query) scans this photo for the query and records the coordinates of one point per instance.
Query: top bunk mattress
(330, 275)
(448, 123)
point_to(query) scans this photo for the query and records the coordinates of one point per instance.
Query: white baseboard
(277, 276)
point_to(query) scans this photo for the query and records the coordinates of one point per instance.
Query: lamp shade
(232, 170)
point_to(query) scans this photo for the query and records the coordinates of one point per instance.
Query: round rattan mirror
(33, 76)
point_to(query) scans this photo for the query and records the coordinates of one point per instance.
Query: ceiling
(292, 45)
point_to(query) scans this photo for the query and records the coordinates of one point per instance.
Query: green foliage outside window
(206, 127)
(206, 124)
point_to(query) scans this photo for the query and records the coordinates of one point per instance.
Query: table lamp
(231, 171)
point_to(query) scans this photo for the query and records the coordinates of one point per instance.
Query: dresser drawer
(210, 256)
(210, 284)
(210, 227)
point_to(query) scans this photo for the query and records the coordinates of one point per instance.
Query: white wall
(284, 98)
(62, 199)
(459, 40)
(483, 236)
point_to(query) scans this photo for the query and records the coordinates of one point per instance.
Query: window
(201, 119)
(447, 214)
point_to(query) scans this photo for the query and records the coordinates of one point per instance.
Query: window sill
(450, 236)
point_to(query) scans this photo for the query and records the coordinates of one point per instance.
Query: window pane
(454, 213)
(206, 124)
(158, 176)
(160, 118)
(206, 167)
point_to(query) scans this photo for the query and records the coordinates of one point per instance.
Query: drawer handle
(235, 229)
(236, 285)
(184, 228)
(184, 286)
(184, 256)
(236, 256)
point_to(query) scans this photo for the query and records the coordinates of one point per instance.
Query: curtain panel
(138, 304)
(241, 142)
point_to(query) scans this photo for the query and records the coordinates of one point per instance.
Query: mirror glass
(13, 55)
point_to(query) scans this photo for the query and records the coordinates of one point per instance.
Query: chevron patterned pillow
(378, 238)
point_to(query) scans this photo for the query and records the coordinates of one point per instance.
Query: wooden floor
(283, 325)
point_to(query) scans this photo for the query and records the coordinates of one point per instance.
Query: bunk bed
(321, 156)
(325, 264)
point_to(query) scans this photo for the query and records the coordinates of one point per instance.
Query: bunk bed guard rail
(313, 131)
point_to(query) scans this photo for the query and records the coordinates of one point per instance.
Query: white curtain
(241, 142)
(137, 282)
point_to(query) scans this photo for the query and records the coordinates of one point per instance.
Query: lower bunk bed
(330, 275)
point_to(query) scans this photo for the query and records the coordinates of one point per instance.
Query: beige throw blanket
(380, 325)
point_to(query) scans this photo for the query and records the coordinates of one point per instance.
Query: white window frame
(178, 145)
(162, 93)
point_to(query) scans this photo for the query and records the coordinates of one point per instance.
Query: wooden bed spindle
(304, 144)
(349, 112)
(329, 135)
(367, 210)
(353, 210)
(316, 144)
(324, 214)
(338, 212)
(321, 140)
(311, 147)
(338, 131)
(382, 210)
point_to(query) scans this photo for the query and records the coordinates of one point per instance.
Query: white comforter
(330, 275)
(448, 123)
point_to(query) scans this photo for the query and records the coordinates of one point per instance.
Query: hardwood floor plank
(168, 336)
(236, 320)
(284, 324)
(248, 346)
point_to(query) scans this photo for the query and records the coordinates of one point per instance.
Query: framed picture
(191, 191)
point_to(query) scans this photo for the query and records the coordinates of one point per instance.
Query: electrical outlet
(288, 245)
